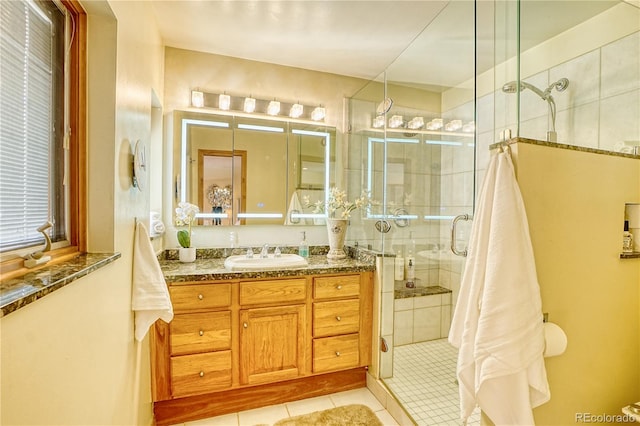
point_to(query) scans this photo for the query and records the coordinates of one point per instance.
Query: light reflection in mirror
(306, 165)
(186, 122)
(327, 172)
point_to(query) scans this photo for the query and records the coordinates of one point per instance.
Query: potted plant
(185, 216)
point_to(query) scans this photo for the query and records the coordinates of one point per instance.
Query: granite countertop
(21, 291)
(212, 269)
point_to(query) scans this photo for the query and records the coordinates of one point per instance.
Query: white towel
(294, 207)
(150, 299)
(497, 323)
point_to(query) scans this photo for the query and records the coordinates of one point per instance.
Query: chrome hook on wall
(455, 251)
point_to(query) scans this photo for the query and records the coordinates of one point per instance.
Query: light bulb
(296, 111)
(273, 108)
(197, 99)
(318, 114)
(249, 105)
(224, 102)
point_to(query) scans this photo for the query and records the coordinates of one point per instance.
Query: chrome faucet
(249, 253)
(265, 251)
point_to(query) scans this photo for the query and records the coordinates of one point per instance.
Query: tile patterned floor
(424, 382)
(271, 414)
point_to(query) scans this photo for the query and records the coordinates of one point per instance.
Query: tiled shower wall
(599, 109)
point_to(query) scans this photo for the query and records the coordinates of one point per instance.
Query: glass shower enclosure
(419, 140)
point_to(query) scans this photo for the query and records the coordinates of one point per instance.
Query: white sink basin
(256, 262)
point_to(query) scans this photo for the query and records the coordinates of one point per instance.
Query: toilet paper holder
(555, 338)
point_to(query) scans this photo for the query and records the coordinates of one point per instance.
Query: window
(41, 129)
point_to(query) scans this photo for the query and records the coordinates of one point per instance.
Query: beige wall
(575, 207)
(187, 70)
(70, 357)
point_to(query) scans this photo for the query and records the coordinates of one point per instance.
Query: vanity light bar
(260, 215)
(308, 216)
(390, 216)
(251, 105)
(450, 143)
(436, 217)
(212, 215)
(262, 128)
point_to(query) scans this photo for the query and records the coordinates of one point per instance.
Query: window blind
(26, 122)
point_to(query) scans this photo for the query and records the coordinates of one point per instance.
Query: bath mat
(351, 415)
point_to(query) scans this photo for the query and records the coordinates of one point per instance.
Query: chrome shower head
(512, 87)
(560, 85)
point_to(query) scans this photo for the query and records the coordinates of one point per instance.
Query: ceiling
(427, 42)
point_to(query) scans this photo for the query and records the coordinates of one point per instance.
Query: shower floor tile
(424, 380)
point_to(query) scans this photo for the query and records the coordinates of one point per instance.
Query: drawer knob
(201, 374)
(200, 297)
(337, 353)
(245, 325)
(338, 318)
(201, 332)
(339, 286)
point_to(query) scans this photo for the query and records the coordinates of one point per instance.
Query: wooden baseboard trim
(198, 407)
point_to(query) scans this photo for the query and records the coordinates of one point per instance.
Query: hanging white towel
(294, 207)
(150, 299)
(497, 323)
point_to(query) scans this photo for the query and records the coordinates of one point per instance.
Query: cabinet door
(272, 343)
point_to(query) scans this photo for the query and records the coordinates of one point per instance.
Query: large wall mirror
(249, 170)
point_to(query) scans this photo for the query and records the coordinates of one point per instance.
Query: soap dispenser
(627, 239)
(303, 248)
(409, 256)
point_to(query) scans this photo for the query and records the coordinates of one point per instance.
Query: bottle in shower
(627, 239)
(411, 274)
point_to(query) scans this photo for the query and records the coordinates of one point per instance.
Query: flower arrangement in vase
(338, 209)
(185, 216)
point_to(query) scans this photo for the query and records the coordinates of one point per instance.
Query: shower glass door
(413, 146)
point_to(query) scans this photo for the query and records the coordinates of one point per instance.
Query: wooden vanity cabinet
(272, 338)
(241, 344)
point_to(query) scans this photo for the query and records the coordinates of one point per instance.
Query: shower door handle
(453, 234)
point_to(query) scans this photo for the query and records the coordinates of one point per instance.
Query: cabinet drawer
(332, 287)
(202, 332)
(335, 353)
(337, 317)
(273, 291)
(201, 296)
(200, 373)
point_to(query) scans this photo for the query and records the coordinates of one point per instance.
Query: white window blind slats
(26, 61)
